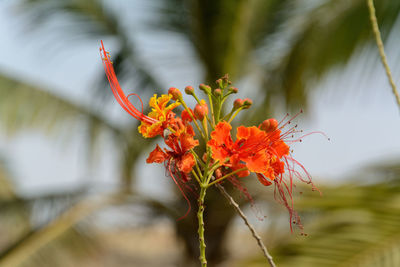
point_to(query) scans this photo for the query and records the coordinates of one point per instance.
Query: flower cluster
(263, 150)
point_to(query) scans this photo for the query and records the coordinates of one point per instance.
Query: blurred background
(74, 186)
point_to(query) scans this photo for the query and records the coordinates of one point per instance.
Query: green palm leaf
(350, 225)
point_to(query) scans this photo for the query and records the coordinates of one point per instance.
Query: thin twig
(381, 48)
(246, 221)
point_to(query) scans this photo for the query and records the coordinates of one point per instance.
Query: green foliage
(24, 106)
(353, 224)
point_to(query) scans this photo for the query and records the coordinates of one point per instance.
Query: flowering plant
(263, 150)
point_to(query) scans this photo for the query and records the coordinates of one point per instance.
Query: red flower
(161, 111)
(255, 149)
(178, 155)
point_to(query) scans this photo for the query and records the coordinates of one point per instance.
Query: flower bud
(218, 173)
(204, 157)
(176, 94)
(225, 79)
(234, 90)
(269, 125)
(238, 103)
(205, 88)
(200, 110)
(217, 92)
(189, 90)
(247, 102)
(220, 83)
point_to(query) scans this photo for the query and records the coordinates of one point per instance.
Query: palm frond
(322, 38)
(93, 20)
(25, 106)
(350, 225)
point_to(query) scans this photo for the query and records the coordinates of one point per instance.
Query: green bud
(234, 90)
(238, 103)
(205, 88)
(189, 90)
(247, 103)
(217, 92)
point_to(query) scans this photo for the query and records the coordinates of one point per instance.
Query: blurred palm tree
(280, 45)
(17, 226)
(354, 224)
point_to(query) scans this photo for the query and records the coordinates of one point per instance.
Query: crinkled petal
(280, 148)
(186, 118)
(151, 130)
(186, 163)
(222, 134)
(242, 132)
(157, 155)
(188, 142)
(257, 163)
(218, 153)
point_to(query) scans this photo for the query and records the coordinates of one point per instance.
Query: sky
(357, 111)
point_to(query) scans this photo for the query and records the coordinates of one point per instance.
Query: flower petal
(263, 180)
(186, 163)
(222, 134)
(258, 162)
(157, 155)
(188, 142)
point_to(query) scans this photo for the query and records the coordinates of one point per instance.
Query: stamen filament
(117, 90)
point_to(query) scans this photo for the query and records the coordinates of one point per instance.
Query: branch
(246, 221)
(381, 48)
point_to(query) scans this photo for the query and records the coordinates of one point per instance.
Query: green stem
(197, 99)
(234, 115)
(204, 122)
(199, 160)
(197, 177)
(229, 115)
(200, 212)
(219, 106)
(211, 172)
(191, 116)
(212, 111)
(226, 176)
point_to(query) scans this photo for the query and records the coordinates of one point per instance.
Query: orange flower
(259, 151)
(162, 113)
(185, 115)
(179, 155)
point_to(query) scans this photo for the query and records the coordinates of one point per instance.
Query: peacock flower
(263, 150)
(257, 150)
(178, 155)
(162, 113)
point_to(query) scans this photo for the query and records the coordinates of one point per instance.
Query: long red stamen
(183, 193)
(307, 134)
(117, 90)
(290, 120)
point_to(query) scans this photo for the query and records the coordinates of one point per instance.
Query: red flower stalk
(117, 90)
